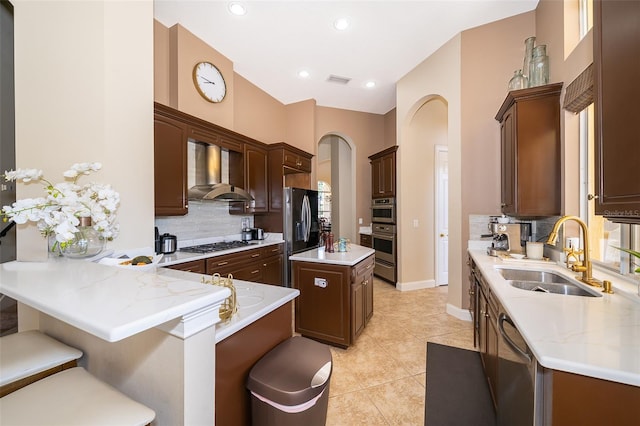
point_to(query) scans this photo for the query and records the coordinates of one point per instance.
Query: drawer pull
(257, 271)
(255, 255)
(222, 263)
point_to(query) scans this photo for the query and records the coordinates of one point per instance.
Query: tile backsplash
(540, 227)
(205, 219)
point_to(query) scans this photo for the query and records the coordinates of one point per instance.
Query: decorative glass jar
(518, 81)
(539, 67)
(87, 241)
(528, 56)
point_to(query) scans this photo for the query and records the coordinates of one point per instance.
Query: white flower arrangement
(59, 211)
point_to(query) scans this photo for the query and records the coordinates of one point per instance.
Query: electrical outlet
(359, 221)
(415, 223)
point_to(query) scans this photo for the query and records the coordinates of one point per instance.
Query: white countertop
(592, 336)
(254, 301)
(182, 257)
(353, 256)
(109, 302)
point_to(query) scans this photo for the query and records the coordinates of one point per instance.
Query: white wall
(84, 92)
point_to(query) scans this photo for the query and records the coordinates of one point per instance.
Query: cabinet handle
(255, 255)
(222, 263)
(257, 271)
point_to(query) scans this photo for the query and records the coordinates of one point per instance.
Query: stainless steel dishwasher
(519, 378)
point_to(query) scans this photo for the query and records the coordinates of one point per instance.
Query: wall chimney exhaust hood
(205, 163)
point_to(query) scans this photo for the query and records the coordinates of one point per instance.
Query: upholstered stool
(29, 356)
(72, 397)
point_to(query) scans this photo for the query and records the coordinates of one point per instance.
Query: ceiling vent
(337, 79)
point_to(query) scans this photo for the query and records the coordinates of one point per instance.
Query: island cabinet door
(322, 309)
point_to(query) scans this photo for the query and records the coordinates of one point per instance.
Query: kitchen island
(336, 293)
(584, 345)
(151, 334)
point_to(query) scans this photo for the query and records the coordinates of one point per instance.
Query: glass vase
(539, 67)
(87, 242)
(518, 81)
(528, 56)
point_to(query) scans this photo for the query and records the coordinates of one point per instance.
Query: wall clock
(209, 82)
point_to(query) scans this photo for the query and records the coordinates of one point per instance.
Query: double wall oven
(383, 235)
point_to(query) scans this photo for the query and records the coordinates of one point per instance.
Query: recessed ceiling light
(303, 74)
(341, 24)
(237, 8)
(370, 84)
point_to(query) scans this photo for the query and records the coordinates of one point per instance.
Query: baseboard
(416, 285)
(459, 313)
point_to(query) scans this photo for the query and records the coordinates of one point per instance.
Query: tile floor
(381, 379)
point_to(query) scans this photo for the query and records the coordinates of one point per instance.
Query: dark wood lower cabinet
(259, 265)
(587, 401)
(236, 355)
(335, 301)
(196, 266)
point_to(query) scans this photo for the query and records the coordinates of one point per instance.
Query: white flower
(57, 213)
(82, 168)
(26, 175)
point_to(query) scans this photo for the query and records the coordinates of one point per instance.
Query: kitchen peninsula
(150, 334)
(336, 293)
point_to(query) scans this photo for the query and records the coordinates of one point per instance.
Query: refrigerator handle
(306, 217)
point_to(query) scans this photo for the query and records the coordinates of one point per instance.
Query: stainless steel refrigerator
(301, 227)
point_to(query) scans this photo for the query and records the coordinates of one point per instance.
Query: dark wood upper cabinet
(530, 151)
(248, 161)
(383, 173)
(255, 182)
(616, 42)
(287, 166)
(170, 163)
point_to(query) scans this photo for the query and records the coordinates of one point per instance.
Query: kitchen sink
(557, 288)
(529, 275)
(544, 282)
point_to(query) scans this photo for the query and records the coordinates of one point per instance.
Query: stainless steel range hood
(205, 165)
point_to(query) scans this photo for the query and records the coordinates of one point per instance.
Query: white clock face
(209, 82)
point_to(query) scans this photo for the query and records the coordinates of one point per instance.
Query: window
(324, 202)
(586, 16)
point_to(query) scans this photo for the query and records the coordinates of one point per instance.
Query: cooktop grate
(208, 248)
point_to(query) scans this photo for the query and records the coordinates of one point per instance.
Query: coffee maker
(508, 237)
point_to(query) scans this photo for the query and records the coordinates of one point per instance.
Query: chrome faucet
(587, 276)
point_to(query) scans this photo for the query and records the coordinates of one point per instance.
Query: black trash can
(290, 384)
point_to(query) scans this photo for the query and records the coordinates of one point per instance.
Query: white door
(442, 214)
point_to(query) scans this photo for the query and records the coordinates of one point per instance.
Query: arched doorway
(420, 206)
(336, 169)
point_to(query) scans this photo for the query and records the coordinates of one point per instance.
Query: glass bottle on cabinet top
(518, 81)
(528, 56)
(539, 67)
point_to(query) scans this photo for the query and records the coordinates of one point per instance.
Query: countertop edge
(350, 258)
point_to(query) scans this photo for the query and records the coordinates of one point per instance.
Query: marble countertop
(254, 301)
(592, 336)
(109, 302)
(353, 256)
(182, 257)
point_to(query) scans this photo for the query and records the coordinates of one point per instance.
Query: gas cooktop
(208, 248)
